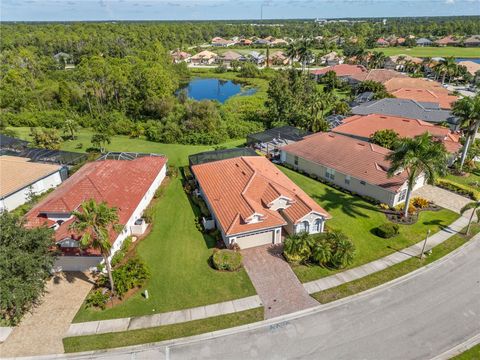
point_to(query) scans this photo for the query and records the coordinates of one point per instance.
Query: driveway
(41, 331)
(279, 289)
(443, 198)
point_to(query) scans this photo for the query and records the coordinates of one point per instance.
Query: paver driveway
(41, 331)
(443, 198)
(276, 284)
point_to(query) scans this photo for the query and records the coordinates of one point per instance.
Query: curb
(460, 348)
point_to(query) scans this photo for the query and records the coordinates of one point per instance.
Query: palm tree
(420, 155)
(377, 59)
(291, 51)
(70, 126)
(474, 206)
(94, 221)
(297, 247)
(322, 251)
(344, 251)
(446, 67)
(468, 110)
(304, 52)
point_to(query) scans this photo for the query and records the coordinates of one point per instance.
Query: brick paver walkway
(443, 198)
(276, 284)
(41, 331)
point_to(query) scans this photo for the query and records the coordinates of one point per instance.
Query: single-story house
(204, 58)
(256, 57)
(378, 75)
(279, 58)
(396, 83)
(445, 101)
(21, 179)
(229, 56)
(397, 62)
(245, 42)
(332, 58)
(279, 42)
(429, 112)
(362, 127)
(179, 56)
(424, 42)
(262, 42)
(352, 164)
(342, 70)
(472, 67)
(447, 41)
(218, 41)
(253, 203)
(472, 41)
(128, 185)
(382, 42)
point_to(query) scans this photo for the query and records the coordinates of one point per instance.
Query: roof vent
(383, 117)
(360, 144)
(405, 120)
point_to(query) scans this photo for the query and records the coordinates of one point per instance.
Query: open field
(144, 336)
(357, 219)
(460, 52)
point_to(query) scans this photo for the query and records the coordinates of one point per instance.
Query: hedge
(458, 189)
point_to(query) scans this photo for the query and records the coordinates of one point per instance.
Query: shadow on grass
(402, 251)
(351, 205)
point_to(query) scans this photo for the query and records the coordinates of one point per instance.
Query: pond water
(215, 89)
(476, 60)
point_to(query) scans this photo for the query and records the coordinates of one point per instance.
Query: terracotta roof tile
(378, 75)
(341, 70)
(426, 95)
(412, 83)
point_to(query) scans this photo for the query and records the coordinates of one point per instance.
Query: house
(342, 70)
(279, 43)
(221, 42)
(204, 58)
(354, 165)
(253, 203)
(401, 41)
(21, 179)
(424, 42)
(472, 41)
(332, 58)
(262, 42)
(378, 75)
(362, 127)
(413, 83)
(229, 56)
(256, 57)
(397, 62)
(444, 100)
(279, 58)
(179, 56)
(429, 112)
(269, 141)
(382, 42)
(125, 181)
(447, 41)
(472, 67)
(245, 42)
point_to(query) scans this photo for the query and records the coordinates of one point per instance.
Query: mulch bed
(398, 218)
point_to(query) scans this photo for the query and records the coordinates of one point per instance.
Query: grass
(177, 255)
(357, 218)
(459, 52)
(177, 154)
(471, 354)
(474, 176)
(143, 336)
(394, 271)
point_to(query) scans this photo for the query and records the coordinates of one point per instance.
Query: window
(304, 226)
(317, 225)
(403, 195)
(296, 160)
(347, 179)
(330, 174)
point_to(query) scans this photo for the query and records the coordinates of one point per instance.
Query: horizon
(228, 10)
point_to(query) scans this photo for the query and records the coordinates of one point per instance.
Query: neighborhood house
(253, 203)
(351, 164)
(128, 185)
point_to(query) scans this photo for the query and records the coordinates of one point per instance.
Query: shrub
(132, 274)
(384, 206)
(221, 69)
(298, 248)
(343, 249)
(159, 192)
(97, 299)
(458, 188)
(172, 171)
(420, 203)
(227, 260)
(149, 214)
(387, 230)
(120, 254)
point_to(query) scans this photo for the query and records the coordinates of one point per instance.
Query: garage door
(257, 239)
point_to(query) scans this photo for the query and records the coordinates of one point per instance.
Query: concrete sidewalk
(387, 261)
(173, 317)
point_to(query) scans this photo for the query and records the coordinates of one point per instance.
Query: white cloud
(449, 2)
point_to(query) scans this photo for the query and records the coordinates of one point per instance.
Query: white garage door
(258, 239)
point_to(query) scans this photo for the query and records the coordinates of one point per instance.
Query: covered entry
(255, 239)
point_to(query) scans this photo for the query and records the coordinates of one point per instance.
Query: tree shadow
(402, 251)
(351, 205)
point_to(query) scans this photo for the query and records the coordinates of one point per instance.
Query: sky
(78, 10)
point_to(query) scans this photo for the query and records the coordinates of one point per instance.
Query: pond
(215, 89)
(476, 60)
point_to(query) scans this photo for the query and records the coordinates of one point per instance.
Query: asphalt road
(418, 317)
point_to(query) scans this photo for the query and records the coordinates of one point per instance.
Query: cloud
(449, 2)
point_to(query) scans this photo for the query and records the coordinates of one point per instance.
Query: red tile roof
(413, 83)
(378, 75)
(341, 70)
(359, 159)
(240, 187)
(426, 95)
(366, 126)
(120, 183)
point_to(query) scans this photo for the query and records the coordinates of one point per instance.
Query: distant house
(245, 42)
(262, 42)
(261, 206)
(397, 62)
(204, 58)
(229, 56)
(256, 57)
(351, 164)
(413, 83)
(342, 70)
(21, 179)
(447, 41)
(128, 185)
(331, 59)
(269, 141)
(378, 75)
(362, 127)
(424, 42)
(179, 56)
(221, 42)
(429, 112)
(64, 59)
(472, 41)
(279, 42)
(472, 67)
(382, 42)
(279, 58)
(443, 99)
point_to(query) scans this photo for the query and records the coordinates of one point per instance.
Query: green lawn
(177, 154)
(144, 336)
(177, 255)
(447, 51)
(357, 218)
(470, 354)
(394, 271)
(473, 177)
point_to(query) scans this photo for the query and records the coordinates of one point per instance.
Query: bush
(97, 299)
(172, 171)
(130, 275)
(420, 203)
(384, 206)
(149, 214)
(227, 260)
(387, 230)
(120, 254)
(221, 69)
(458, 189)
(297, 248)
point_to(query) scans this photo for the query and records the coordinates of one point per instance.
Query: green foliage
(227, 260)
(97, 299)
(46, 138)
(221, 69)
(420, 203)
(120, 254)
(378, 89)
(387, 230)
(385, 138)
(132, 274)
(249, 70)
(297, 248)
(458, 188)
(25, 263)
